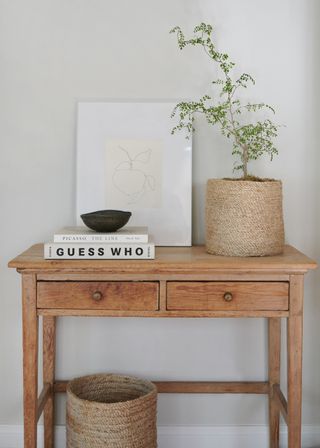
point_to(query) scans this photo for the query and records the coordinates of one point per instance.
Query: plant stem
(245, 160)
(244, 156)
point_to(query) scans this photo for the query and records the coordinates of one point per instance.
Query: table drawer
(212, 296)
(99, 295)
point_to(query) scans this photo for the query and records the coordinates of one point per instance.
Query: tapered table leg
(49, 349)
(30, 359)
(294, 342)
(274, 343)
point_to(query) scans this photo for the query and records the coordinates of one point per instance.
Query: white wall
(53, 53)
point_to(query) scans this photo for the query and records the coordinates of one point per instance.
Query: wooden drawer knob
(228, 296)
(97, 295)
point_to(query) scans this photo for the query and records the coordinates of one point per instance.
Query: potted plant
(243, 215)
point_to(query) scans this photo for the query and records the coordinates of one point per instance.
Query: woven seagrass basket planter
(244, 218)
(105, 411)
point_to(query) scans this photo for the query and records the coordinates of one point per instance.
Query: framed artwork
(127, 159)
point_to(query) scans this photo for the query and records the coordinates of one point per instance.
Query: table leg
(30, 359)
(49, 348)
(294, 342)
(274, 344)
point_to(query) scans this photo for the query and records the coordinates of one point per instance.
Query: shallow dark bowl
(106, 220)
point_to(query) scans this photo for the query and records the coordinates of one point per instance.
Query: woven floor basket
(111, 411)
(244, 218)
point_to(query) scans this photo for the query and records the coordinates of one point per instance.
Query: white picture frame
(128, 159)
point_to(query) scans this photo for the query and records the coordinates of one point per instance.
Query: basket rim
(236, 181)
(153, 389)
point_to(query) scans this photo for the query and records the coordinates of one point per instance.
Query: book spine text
(100, 238)
(60, 251)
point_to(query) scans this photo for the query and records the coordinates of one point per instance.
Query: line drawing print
(131, 178)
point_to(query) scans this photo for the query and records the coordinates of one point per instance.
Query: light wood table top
(173, 259)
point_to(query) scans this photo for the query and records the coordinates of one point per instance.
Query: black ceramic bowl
(106, 220)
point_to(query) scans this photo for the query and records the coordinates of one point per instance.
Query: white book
(82, 234)
(95, 251)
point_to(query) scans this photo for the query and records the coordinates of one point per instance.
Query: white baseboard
(11, 436)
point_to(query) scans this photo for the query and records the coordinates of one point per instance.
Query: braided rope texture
(244, 218)
(109, 410)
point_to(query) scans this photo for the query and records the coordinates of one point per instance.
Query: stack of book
(83, 243)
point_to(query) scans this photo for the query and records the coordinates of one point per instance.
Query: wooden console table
(180, 282)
